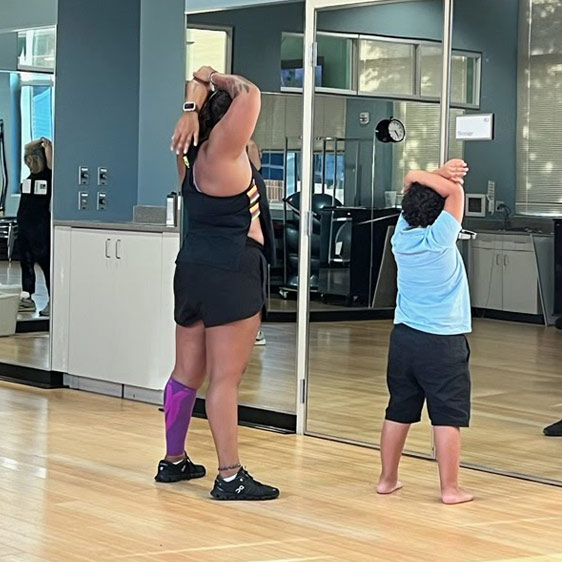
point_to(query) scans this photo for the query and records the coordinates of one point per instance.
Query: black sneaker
(243, 488)
(184, 470)
(554, 430)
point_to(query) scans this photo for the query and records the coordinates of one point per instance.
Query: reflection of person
(254, 154)
(220, 276)
(429, 353)
(34, 220)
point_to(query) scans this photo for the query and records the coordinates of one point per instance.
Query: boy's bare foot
(384, 487)
(455, 496)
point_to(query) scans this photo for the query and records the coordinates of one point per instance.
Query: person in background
(429, 354)
(34, 221)
(254, 154)
(219, 283)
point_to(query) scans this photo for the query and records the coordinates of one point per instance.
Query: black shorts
(220, 296)
(426, 366)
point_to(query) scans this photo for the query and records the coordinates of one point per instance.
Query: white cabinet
(119, 306)
(503, 274)
(520, 282)
(485, 273)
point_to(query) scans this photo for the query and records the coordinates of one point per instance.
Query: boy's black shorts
(426, 366)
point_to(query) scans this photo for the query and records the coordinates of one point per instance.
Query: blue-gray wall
(495, 36)
(97, 105)
(378, 109)
(162, 80)
(10, 114)
(19, 14)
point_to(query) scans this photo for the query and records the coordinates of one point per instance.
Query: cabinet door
(137, 305)
(520, 282)
(92, 286)
(485, 278)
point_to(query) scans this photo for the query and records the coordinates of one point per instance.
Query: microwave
(475, 205)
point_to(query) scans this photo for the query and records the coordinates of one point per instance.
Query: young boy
(429, 353)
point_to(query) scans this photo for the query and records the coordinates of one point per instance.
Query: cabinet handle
(107, 242)
(118, 249)
(506, 260)
(498, 259)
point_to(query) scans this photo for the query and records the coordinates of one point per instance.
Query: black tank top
(36, 208)
(217, 227)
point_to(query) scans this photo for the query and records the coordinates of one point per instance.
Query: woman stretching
(219, 284)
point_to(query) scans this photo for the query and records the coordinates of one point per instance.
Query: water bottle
(172, 209)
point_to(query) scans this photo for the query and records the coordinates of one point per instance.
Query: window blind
(420, 149)
(539, 119)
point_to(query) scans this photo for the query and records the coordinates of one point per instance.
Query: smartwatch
(190, 107)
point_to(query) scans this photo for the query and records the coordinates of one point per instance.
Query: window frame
(354, 65)
(417, 44)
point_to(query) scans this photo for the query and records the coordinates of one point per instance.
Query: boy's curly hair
(421, 205)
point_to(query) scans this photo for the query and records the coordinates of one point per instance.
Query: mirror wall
(516, 353)
(26, 134)
(270, 380)
(505, 66)
(395, 75)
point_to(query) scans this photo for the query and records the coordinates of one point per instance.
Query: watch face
(190, 106)
(396, 130)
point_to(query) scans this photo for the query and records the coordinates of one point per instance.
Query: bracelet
(231, 467)
(213, 85)
(202, 82)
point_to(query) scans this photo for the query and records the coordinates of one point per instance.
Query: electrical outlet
(82, 200)
(102, 176)
(83, 175)
(102, 201)
(499, 206)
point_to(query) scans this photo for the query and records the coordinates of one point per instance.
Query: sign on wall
(475, 127)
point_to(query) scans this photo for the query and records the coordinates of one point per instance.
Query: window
(335, 69)
(465, 75)
(539, 120)
(382, 67)
(386, 68)
(36, 49)
(208, 47)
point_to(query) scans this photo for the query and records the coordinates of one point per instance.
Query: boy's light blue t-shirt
(433, 293)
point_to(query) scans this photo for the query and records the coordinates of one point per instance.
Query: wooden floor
(517, 389)
(28, 350)
(76, 485)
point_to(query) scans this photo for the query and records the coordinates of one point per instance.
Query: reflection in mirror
(516, 357)
(269, 382)
(26, 161)
(347, 393)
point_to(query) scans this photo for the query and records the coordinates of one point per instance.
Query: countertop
(501, 232)
(125, 226)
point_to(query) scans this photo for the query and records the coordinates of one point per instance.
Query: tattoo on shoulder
(238, 86)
